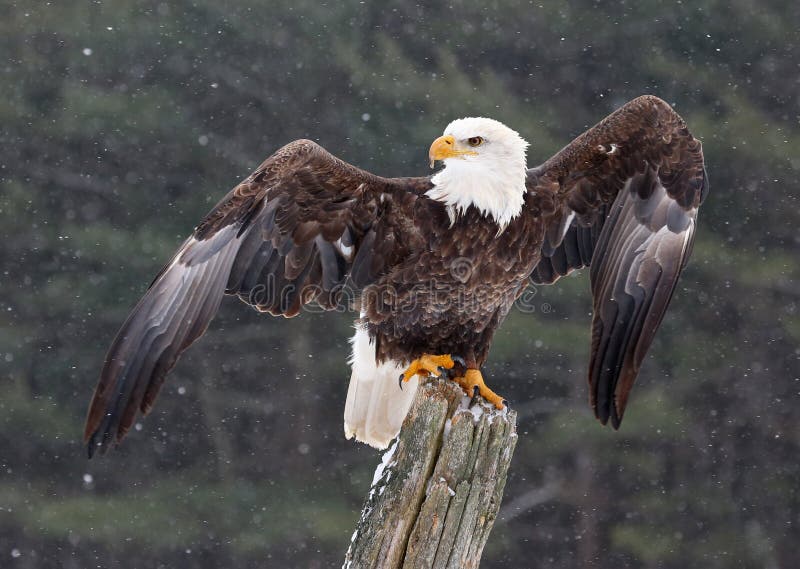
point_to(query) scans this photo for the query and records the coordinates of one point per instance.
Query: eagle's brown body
(307, 227)
(450, 295)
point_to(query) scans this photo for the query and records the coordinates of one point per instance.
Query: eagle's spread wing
(295, 231)
(624, 198)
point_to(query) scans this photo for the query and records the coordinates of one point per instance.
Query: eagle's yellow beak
(445, 147)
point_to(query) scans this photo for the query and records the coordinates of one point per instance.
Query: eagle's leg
(472, 379)
(427, 365)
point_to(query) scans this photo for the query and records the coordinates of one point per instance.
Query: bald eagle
(431, 264)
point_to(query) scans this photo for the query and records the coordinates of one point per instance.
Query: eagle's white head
(484, 166)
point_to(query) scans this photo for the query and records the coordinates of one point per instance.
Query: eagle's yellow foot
(472, 379)
(427, 365)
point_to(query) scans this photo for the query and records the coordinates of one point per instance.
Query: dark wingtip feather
(606, 411)
(601, 412)
(616, 417)
(98, 443)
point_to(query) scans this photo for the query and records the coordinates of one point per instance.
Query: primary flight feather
(432, 264)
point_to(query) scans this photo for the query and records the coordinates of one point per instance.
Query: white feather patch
(345, 250)
(376, 406)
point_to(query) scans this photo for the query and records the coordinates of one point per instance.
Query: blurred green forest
(122, 122)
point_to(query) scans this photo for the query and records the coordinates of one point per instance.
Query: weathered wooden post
(436, 494)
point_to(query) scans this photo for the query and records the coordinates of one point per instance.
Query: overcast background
(123, 122)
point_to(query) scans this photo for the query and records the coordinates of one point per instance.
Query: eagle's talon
(427, 365)
(472, 383)
(459, 360)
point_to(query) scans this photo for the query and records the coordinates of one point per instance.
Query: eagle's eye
(475, 141)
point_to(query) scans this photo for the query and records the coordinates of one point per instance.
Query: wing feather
(286, 236)
(629, 190)
(173, 313)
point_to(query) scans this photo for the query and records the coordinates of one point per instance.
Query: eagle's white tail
(376, 406)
